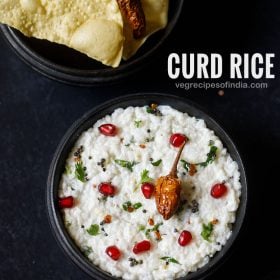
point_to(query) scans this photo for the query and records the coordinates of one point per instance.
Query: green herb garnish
(80, 173)
(68, 224)
(145, 177)
(186, 165)
(156, 227)
(150, 110)
(129, 207)
(126, 164)
(153, 110)
(156, 163)
(126, 205)
(138, 123)
(87, 251)
(207, 231)
(103, 198)
(169, 260)
(141, 227)
(152, 139)
(93, 230)
(137, 205)
(211, 143)
(210, 156)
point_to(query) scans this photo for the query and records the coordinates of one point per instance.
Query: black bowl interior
(57, 168)
(70, 66)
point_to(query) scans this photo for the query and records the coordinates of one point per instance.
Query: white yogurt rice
(144, 138)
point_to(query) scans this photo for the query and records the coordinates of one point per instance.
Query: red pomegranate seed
(141, 247)
(147, 190)
(113, 252)
(184, 238)
(218, 190)
(108, 129)
(66, 202)
(177, 139)
(107, 189)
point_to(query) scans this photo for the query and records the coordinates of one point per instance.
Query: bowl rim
(80, 77)
(67, 244)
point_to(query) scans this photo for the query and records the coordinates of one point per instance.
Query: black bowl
(85, 122)
(67, 65)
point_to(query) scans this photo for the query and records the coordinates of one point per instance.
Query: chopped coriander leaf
(150, 110)
(153, 110)
(169, 260)
(93, 230)
(141, 227)
(186, 165)
(155, 228)
(80, 173)
(126, 164)
(210, 156)
(145, 177)
(126, 205)
(87, 251)
(138, 123)
(207, 231)
(137, 205)
(156, 163)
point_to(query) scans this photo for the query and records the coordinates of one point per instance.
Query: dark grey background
(35, 112)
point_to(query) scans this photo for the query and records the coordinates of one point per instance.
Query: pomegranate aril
(147, 190)
(184, 238)
(66, 202)
(107, 189)
(108, 129)
(113, 252)
(141, 247)
(218, 190)
(177, 139)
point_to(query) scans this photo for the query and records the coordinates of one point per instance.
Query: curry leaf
(126, 164)
(138, 123)
(207, 231)
(186, 165)
(93, 230)
(80, 173)
(156, 163)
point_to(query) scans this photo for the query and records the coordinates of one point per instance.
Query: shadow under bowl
(85, 122)
(67, 65)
